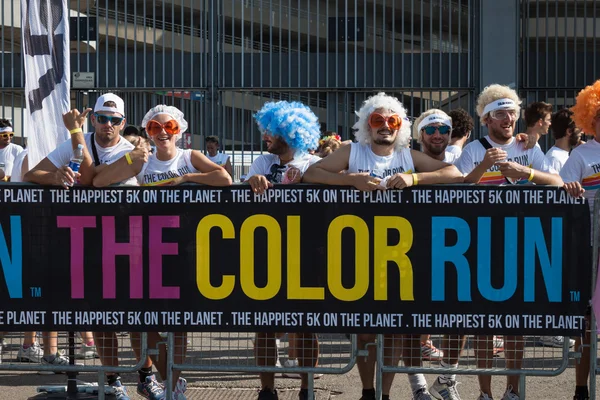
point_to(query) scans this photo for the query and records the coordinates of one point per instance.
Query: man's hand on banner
(400, 181)
(74, 119)
(259, 183)
(65, 177)
(574, 189)
(365, 182)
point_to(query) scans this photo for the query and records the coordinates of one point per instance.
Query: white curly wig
(383, 102)
(492, 93)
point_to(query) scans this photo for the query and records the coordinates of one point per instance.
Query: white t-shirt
(454, 149)
(8, 156)
(108, 155)
(270, 166)
(220, 159)
(557, 157)
(362, 159)
(450, 158)
(474, 152)
(159, 173)
(15, 175)
(583, 166)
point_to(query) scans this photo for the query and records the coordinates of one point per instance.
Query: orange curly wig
(587, 106)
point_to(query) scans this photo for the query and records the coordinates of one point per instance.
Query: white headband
(434, 119)
(500, 104)
(6, 129)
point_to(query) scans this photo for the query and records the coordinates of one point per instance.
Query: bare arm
(210, 173)
(434, 171)
(46, 173)
(74, 120)
(121, 170)
(227, 166)
(327, 170)
(518, 171)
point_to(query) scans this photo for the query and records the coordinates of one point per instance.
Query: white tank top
(159, 173)
(362, 159)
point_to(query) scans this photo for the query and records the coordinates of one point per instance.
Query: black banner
(431, 259)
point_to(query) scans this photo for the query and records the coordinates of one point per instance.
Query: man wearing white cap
(432, 130)
(499, 159)
(104, 146)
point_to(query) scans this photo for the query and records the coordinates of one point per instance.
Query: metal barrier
(593, 347)
(125, 353)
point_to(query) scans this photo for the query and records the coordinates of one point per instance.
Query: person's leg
(452, 346)
(265, 352)
(513, 348)
(392, 353)
(366, 365)
(484, 352)
(411, 355)
(308, 353)
(30, 350)
(582, 367)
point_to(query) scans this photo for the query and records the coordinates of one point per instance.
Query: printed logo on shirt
(592, 181)
(164, 178)
(382, 173)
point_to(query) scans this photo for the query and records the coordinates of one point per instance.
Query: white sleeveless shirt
(159, 173)
(362, 159)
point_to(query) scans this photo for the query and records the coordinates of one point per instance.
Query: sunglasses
(503, 114)
(443, 130)
(105, 119)
(155, 128)
(6, 135)
(376, 121)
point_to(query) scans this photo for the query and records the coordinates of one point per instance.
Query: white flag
(45, 30)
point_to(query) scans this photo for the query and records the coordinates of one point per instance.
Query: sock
(368, 393)
(112, 378)
(26, 346)
(448, 377)
(144, 373)
(50, 358)
(90, 343)
(417, 382)
(581, 391)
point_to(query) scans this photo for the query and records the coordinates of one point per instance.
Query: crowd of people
(380, 158)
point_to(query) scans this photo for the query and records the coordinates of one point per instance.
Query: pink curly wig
(586, 108)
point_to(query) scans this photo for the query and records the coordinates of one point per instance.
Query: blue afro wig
(293, 121)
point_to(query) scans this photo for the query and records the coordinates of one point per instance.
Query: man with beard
(432, 130)
(498, 159)
(566, 136)
(107, 146)
(381, 160)
(289, 131)
(8, 150)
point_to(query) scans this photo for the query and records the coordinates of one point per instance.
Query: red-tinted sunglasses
(377, 121)
(155, 128)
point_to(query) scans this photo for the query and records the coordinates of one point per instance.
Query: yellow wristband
(531, 173)
(128, 158)
(76, 130)
(415, 180)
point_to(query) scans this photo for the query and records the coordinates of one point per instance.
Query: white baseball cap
(120, 108)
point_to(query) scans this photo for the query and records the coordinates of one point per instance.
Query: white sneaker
(32, 354)
(443, 389)
(86, 352)
(291, 364)
(484, 396)
(510, 395)
(422, 394)
(555, 341)
(178, 393)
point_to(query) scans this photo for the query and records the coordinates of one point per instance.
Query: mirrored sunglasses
(155, 128)
(443, 130)
(105, 119)
(377, 121)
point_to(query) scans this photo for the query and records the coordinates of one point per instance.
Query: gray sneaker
(422, 394)
(85, 352)
(58, 361)
(32, 354)
(444, 390)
